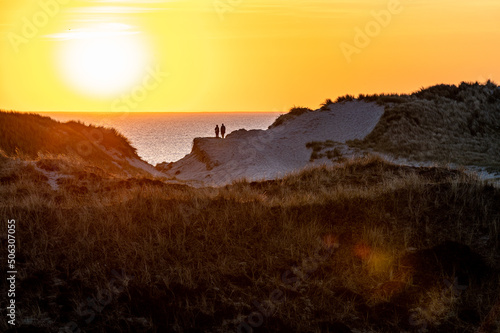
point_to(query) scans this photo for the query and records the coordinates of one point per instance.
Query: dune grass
(328, 149)
(321, 250)
(31, 136)
(293, 113)
(443, 123)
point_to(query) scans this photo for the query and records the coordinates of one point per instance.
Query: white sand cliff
(267, 154)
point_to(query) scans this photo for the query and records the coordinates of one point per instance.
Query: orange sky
(236, 55)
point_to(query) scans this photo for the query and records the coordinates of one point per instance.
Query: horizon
(139, 112)
(355, 96)
(195, 56)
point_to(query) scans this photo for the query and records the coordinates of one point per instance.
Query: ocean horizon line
(144, 112)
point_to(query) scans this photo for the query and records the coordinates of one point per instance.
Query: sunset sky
(236, 55)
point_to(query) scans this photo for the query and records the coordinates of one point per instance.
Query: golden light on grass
(379, 262)
(376, 260)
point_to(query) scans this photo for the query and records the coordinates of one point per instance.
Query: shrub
(318, 146)
(292, 114)
(387, 99)
(346, 98)
(326, 104)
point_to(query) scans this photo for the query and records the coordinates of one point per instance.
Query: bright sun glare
(101, 62)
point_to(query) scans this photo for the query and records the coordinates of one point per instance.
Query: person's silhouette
(216, 131)
(223, 130)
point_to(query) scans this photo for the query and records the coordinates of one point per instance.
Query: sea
(168, 137)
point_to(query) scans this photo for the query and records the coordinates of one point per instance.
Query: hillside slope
(267, 154)
(443, 123)
(34, 137)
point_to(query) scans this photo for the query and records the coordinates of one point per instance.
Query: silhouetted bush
(345, 98)
(386, 99)
(326, 104)
(293, 113)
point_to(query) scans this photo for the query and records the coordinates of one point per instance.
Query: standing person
(216, 131)
(223, 130)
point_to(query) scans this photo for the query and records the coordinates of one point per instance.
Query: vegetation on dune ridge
(293, 113)
(32, 136)
(444, 123)
(367, 246)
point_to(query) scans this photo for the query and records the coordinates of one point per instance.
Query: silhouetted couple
(222, 131)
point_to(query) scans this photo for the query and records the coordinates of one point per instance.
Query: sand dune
(267, 154)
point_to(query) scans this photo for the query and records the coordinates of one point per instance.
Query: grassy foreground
(364, 247)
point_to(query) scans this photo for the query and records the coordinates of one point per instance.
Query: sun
(102, 64)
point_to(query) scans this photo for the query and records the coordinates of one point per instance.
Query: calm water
(161, 137)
